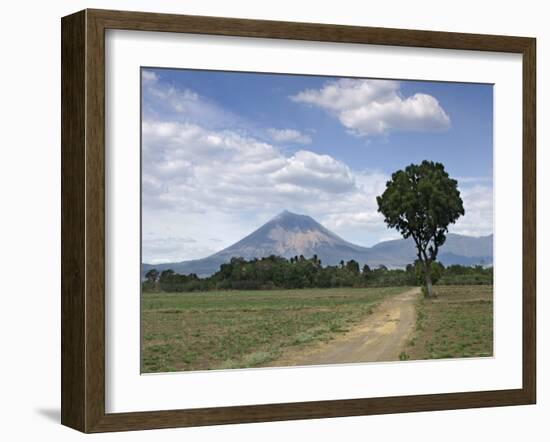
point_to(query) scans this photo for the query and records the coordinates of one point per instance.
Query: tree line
(275, 272)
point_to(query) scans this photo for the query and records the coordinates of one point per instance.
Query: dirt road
(380, 337)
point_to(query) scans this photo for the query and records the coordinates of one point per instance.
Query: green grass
(238, 329)
(457, 324)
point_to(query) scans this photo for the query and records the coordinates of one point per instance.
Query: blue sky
(224, 152)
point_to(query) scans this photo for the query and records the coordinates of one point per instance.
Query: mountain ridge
(289, 234)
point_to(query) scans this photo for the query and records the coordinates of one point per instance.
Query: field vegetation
(250, 312)
(457, 323)
(237, 329)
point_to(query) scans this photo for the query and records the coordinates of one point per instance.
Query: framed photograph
(269, 220)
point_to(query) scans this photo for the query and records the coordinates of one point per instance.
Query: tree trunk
(429, 283)
(428, 275)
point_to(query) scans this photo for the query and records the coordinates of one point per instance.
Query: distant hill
(290, 234)
(458, 249)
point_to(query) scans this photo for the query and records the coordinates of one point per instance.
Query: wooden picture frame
(83, 220)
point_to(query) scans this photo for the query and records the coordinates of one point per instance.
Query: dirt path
(380, 337)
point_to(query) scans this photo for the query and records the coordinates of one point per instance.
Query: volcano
(290, 234)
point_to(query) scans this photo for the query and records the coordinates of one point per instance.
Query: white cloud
(478, 208)
(148, 76)
(375, 107)
(356, 215)
(346, 93)
(289, 135)
(310, 170)
(201, 180)
(235, 183)
(162, 100)
(474, 179)
(158, 249)
(354, 219)
(190, 171)
(192, 168)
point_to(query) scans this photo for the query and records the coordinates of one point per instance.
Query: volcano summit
(290, 234)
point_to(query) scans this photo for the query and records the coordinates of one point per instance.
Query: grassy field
(234, 329)
(458, 323)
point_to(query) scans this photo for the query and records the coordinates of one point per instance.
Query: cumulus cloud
(206, 176)
(357, 213)
(478, 208)
(148, 76)
(192, 173)
(192, 168)
(356, 216)
(289, 135)
(354, 219)
(375, 107)
(310, 170)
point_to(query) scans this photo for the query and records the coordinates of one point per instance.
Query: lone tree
(420, 202)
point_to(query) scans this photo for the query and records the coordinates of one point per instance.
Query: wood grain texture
(529, 221)
(83, 220)
(73, 255)
(95, 222)
(145, 21)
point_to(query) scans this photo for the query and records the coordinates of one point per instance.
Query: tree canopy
(279, 273)
(421, 202)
